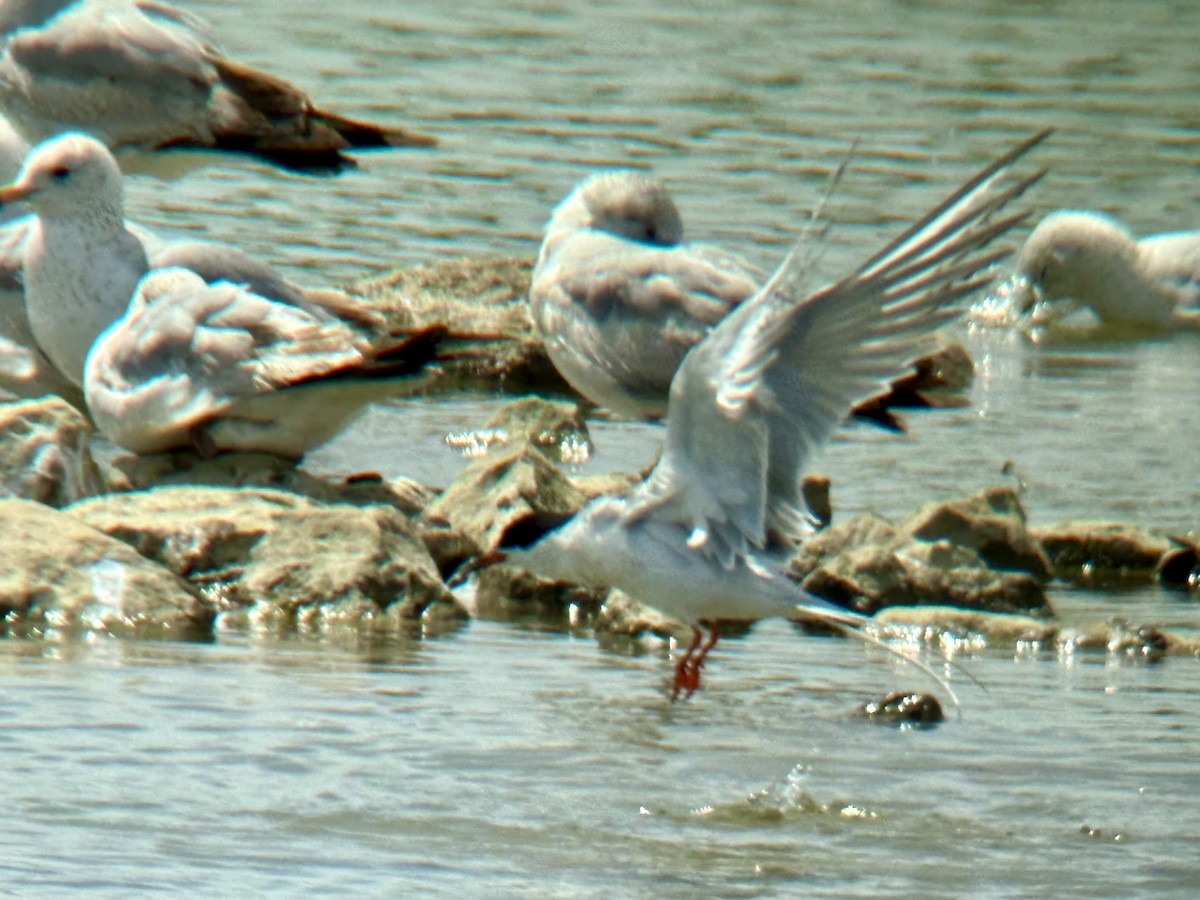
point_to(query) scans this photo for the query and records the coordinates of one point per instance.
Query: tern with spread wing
(707, 535)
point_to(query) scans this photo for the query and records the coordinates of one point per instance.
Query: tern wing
(772, 382)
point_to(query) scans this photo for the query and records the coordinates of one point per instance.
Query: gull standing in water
(1093, 260)
(79, 261)
(216, 367)
(707, 535)
(142, 74)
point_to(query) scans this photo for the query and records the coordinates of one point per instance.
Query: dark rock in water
(815, 490)
(293, 558)
(901, 708)
(1180, 567)
(45, 452)
(1101, 554)
(60, 574)
(992, 523)
(937, 381)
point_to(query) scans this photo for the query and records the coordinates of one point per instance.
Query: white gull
(216, 368)
(707, 536)
(143, 74)
(79, 260)
(619, 297)
(1092, 259)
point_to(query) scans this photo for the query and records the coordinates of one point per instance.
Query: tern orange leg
(687, 678)
(687, 670)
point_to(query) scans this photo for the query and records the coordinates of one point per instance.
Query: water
(499, 759)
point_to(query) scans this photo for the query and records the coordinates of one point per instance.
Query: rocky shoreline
(169, 546)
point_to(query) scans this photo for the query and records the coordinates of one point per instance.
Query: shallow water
(501, 759)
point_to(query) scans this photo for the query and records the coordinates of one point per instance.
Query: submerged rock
(287, 555)
(45, 452)
(61, 574)
(904, 708)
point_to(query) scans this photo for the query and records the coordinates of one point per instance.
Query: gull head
(1074, 255)
(626, 204)
(69, 176)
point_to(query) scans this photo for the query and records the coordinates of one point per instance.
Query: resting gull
(707, 535)
(215, 367)
(79, 260)
(143, 74)
(619, 297)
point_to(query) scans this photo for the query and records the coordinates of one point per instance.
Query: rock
(1144, 643)
(865, 563)
(287, 553)
(554, 428)
(509, 497)
(264, 470)
(60, 574)
(901, 708)
(937, 381)
(992, 523)
(870, 578)
(1101, 553)
(45, 452)
(1179, 567)
(997, 629)
(481, 300)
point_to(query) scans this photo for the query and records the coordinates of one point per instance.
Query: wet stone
(279, 550)
(1102, 553)
(991, 522)
(904, 708)
(1179, 567)
(508, 497)
(61, 575)
(45, 452)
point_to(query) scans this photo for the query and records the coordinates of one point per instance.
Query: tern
(706, 537)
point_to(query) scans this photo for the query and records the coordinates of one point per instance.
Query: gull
(619, 298)
(79, 261)
(1090, 258)
(707, 535)
(215, 367)
(143, 74)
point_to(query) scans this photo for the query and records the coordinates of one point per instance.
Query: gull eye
(60, 173)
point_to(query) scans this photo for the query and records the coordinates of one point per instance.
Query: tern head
(581, 550)
(72, 176)
(1069, 253)
(627, 204)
